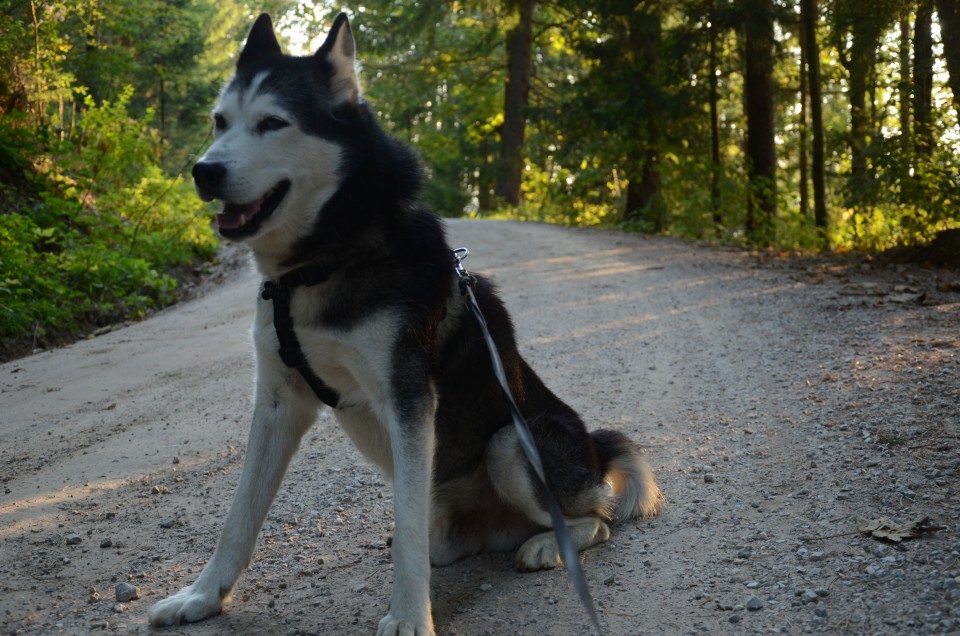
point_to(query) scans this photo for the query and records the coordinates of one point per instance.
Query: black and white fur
(307, 177)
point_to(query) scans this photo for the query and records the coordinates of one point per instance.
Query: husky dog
(311, 183)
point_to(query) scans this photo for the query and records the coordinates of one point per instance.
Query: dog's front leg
(412, 435)
(280, 419)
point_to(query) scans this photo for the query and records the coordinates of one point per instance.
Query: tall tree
(905, 92)
(643, 191)
(516, 98)
(948, 14)
(923, 80)
(809, 19)
(761, 123)
(713, 69)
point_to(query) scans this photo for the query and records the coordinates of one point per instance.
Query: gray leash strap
(568, 551)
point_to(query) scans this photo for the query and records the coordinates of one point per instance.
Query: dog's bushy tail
(633, 486)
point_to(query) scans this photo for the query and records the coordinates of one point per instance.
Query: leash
(568, 551)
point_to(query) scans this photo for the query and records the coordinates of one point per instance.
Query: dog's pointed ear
(261, 43)
(340, 51)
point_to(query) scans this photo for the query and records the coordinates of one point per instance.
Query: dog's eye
(271, 123)
(219, 123)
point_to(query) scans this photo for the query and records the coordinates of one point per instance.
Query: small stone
(734, 618)
(106, 543)
(126, 592)
(754, 603)
(119, 608)
(906, 492)
(359, 587)
(820, 612)
(708, 478)
(167, 523)
(485, 587)
(73, 539)
(609, 580)
(752, 585)
(807, 596)
(816, 556)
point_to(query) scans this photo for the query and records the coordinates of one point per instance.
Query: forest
(824, 125)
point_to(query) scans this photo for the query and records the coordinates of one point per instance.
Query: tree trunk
(948, 13)
(809, 11)
(803, 132)
(904, 90)
(862, 53)
(516, 97)
(715, 166)
(644, 202)
(761, 130)
(923, 81)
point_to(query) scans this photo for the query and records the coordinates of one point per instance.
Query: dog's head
(276, 157)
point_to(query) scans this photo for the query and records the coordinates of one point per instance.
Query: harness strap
(290, 351)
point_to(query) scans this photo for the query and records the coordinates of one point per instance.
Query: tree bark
(904, 89)
(516, 97)
(644, 202)
(804, 159)
(761, 131)
(715, 166)
(923, 80)
(948, 13)
(808, 9)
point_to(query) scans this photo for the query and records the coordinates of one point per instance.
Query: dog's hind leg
(576, 478)
(280, 419)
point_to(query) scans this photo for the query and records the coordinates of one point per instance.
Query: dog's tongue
(235, 214)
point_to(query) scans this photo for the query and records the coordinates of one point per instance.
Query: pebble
(807, 596)
(106, 543)
(708, 478)
(126, 592)
(73, 539)
(734, 618)
(359, 587)
(754, 603)
(167, 523)
(485, 587)
(609, 580)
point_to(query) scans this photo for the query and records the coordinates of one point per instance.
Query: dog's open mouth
(243, 219)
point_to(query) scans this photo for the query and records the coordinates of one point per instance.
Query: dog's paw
(186, 606)
(539, 552)
(396, 626)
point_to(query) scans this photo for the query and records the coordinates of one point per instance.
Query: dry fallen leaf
(896, 532)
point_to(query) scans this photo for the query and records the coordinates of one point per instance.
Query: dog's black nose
(209, 178)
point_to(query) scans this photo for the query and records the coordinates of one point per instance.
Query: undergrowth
(92, 230)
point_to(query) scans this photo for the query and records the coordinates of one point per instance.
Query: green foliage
(92, 228)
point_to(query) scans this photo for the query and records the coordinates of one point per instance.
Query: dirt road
(778, 400)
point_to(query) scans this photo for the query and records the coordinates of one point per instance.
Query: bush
(97, 236)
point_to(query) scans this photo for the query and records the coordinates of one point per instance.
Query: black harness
(290, 351)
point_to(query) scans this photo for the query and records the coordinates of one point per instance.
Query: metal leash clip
(466, 279)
